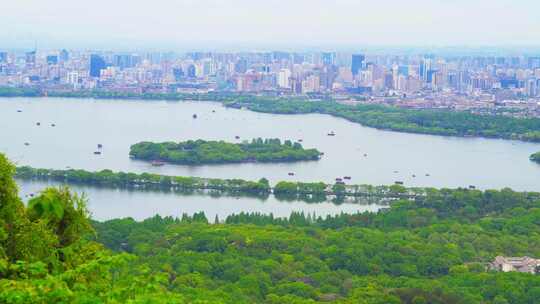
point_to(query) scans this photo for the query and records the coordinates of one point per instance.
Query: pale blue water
(81, 124)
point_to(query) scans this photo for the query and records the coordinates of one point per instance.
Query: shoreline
(283, 190)
(354, 114)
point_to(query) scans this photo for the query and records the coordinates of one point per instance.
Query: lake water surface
(106, 204)
(368, 155)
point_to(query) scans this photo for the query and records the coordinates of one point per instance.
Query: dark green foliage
(310, 192)
(299, 260)
(431, 248)
(200, 152)
(46, 257)
(16, 92)
(535, 157)
(438, 122)
(147, 181)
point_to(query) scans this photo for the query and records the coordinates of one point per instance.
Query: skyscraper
(123, 61)
(191, 71)
(30, 58)
(283, 78)
(63, 56)
(357, 63)
(328, 58)
(52, 59)
(97, 63)
(426, 68)
(178, 73)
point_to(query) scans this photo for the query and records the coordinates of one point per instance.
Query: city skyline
(241, 24)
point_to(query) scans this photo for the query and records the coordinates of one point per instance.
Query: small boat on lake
(38, 124)
(331, 134)
(97, 152)
(27, 144)
(157, 163)
(365, 154)
(99, 146)
(291, 173)
(19, 111)
(427, 174)
(300, 140)
(339, 179)
(237, 137)
(413, 175)
(399, 183)
(347, 177)
(53, 125)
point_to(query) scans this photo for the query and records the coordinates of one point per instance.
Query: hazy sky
(294, 23)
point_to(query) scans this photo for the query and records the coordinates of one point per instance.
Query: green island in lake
(535, 157)
(200, 152)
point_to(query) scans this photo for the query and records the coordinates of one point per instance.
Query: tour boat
(157, 163)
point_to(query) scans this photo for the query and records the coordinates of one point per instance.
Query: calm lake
(369, 156)
(107, 204)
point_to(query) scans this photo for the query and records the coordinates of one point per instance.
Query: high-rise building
(534, 62)
(283, 78)
(426, 69)
(97, 63)
(328, 58)
(64, 55)
(357, 63)
(124, 61)
(178, 73)
(241, 66)
(191, 71)
(52, 59)
(30, 59)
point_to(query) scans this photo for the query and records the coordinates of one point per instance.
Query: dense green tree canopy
(536, 157)
(429, 249)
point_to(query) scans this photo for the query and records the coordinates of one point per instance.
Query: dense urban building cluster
(488, 84)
